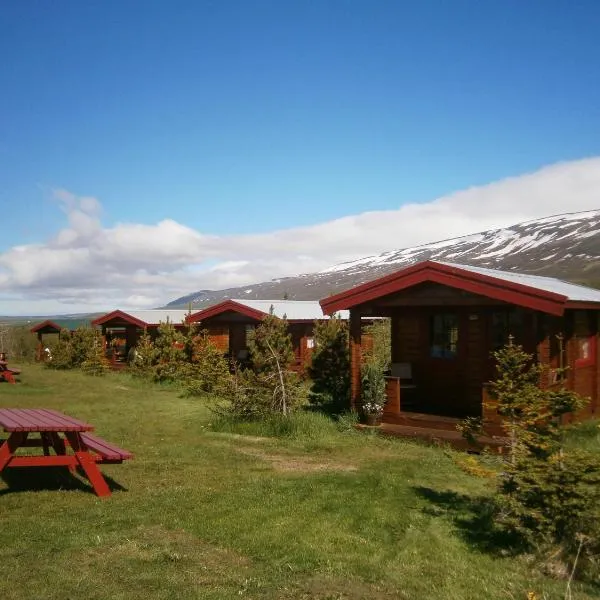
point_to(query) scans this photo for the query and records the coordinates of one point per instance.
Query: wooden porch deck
(436, 430)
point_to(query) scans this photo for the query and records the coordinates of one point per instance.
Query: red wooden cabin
(54, 328)
(122, 330)
(229, 323)
(447, 319)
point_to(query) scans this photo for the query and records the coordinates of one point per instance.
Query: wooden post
(40, 347)
(355, 358)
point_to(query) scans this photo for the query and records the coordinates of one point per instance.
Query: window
(444, 335)
(504, 324)
(585, 350)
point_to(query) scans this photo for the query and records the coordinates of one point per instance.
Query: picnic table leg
(90, 468)
(88, 464)
(60, 447)
(9, 447)
(46, 442)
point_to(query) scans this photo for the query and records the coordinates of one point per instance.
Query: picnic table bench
(7, 374)
(70, 439)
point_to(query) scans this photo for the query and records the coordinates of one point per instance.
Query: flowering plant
(372, 408)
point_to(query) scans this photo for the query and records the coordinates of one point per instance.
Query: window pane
(444, 335)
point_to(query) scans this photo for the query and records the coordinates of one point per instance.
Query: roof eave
(44, 324)
(119, 314)
(226, 306)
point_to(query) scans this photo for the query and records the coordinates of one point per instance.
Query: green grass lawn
(321, 513)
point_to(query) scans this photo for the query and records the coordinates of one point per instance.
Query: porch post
(131, 337)
(40, 347)
(355, 358)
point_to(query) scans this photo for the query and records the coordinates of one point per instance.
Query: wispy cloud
(88, 267)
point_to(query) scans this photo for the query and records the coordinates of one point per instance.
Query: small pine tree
(208, 369)
(143, 357)
(330, 366)
(82, 340)
(61, 352)
(271, 345)
(548, 495)
(95, 362)
(271, 355)
(380, 349)
(170, 354)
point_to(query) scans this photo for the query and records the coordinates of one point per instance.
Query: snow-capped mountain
(565, 246)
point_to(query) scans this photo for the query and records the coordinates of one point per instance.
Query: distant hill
(565, 246)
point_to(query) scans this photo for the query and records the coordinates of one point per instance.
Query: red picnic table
(7, 374)
(70, 439)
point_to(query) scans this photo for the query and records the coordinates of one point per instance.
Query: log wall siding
(476, 324)
(300, 333)
(407, 335)
(219, 337)
(585, 378)
(392, 406)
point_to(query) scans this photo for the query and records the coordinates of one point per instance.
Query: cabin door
(455, 358)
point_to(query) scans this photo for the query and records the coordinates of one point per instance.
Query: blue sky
(252, 117)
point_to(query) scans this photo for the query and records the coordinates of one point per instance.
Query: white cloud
(88, 267)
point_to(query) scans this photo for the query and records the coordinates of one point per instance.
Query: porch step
(441, 436)
(436, 422)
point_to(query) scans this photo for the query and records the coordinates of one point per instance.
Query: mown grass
(213, 509)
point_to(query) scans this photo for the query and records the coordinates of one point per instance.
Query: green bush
(171, 358)
(254, 396)
(95, 362)
(62, 352)
(208, 371)
(73, 349)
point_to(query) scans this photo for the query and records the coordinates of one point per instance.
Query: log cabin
(229, 323)
(446, 321)
(121, 330)
(54, 328)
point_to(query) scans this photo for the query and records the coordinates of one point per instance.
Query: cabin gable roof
(119, 315)
(224, 307)
(544, 294)
(293, 310)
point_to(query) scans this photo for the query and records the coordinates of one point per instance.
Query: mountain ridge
(566, 246)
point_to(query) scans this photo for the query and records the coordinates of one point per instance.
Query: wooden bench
(105, 452)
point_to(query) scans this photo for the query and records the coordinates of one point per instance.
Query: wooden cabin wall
(218, 336)
(585, 372)
(237, 339)
(580, 376)
(445, 386)
(453, 385)
(301, 333)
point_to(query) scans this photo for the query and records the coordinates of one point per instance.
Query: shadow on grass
(35, 479)
(475, 518)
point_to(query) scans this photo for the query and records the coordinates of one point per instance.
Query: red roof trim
(581, 305)
(431, 271)
(119, 314)
(223, 307)
(46, 323)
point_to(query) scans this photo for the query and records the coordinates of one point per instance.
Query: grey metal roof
(156, 316)
(294, 310)
(572, 291)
